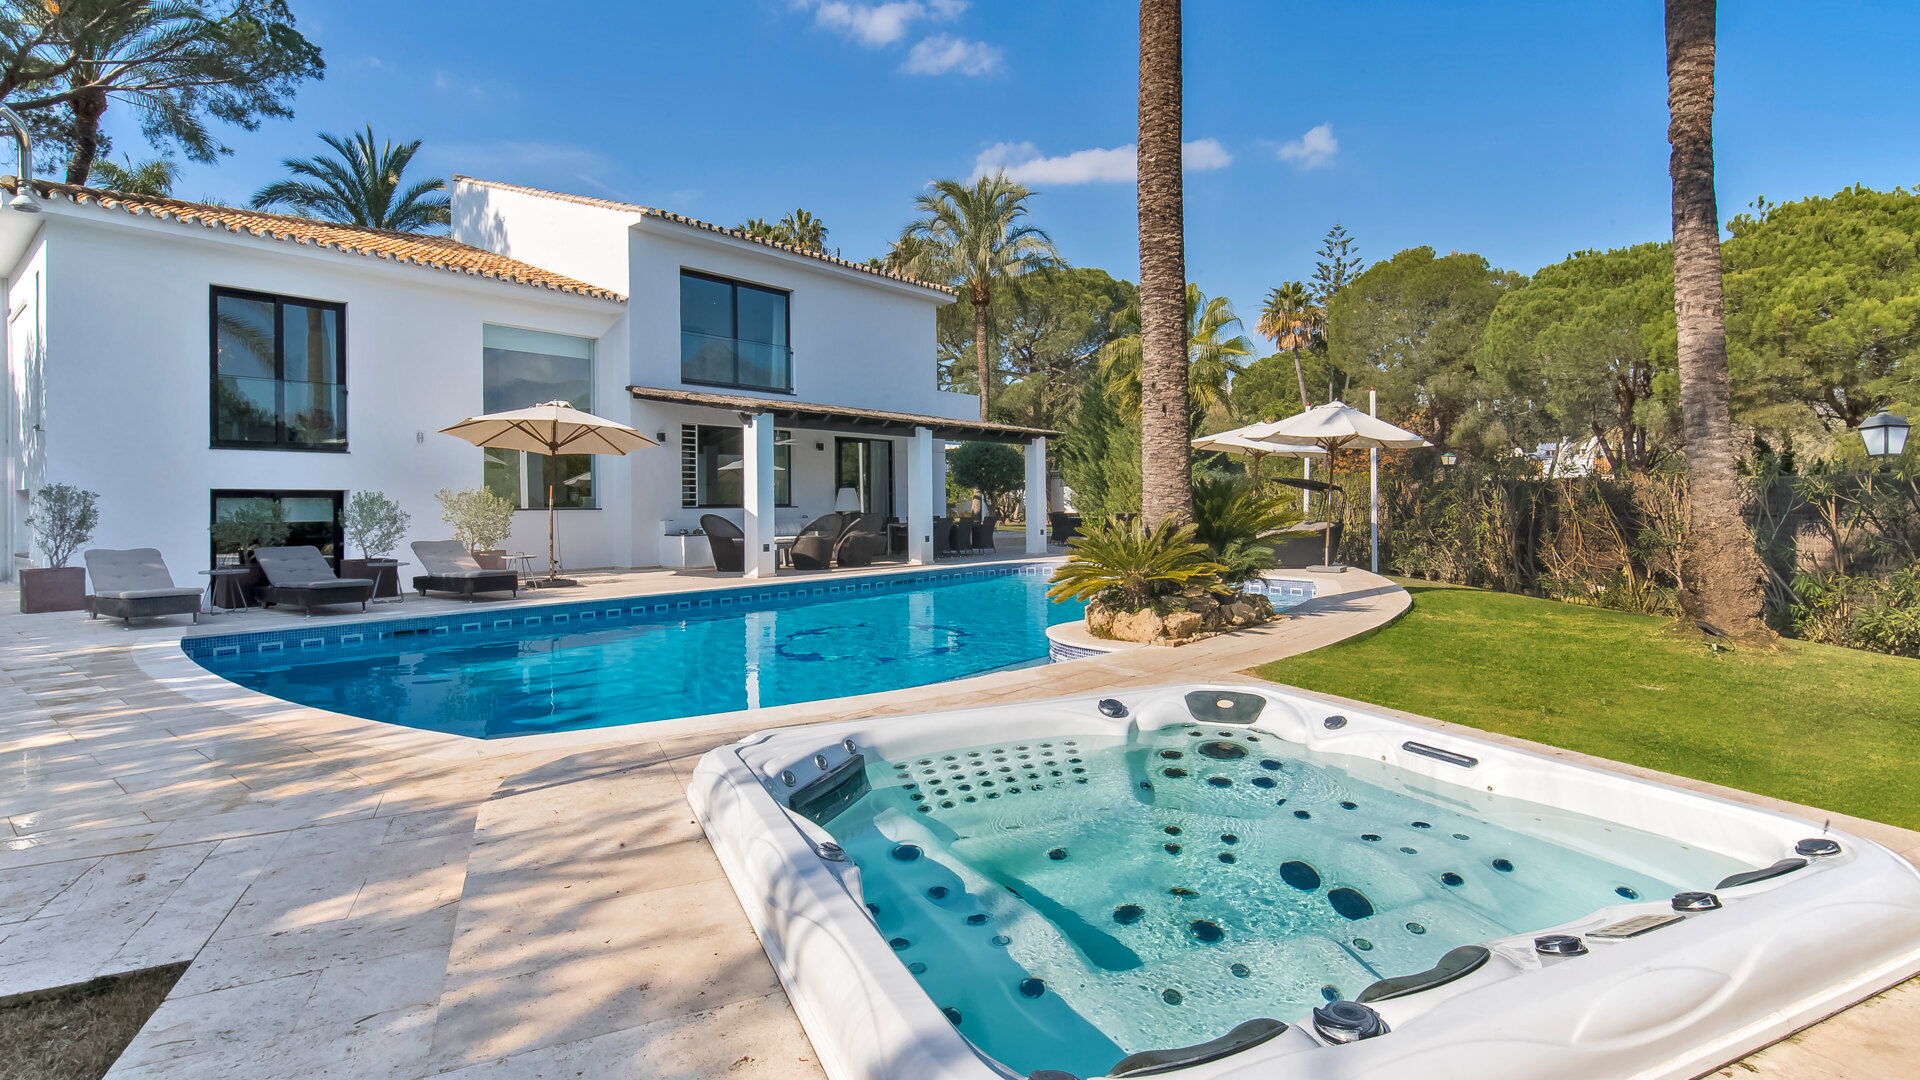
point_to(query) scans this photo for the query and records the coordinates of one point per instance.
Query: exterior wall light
(1885, 434)
(1449, 459)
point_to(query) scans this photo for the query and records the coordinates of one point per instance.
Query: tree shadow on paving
(77, 1032)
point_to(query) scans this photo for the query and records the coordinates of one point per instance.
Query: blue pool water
(1069, 901)
(504, 672)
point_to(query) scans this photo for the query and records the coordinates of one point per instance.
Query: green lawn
(1813, 724)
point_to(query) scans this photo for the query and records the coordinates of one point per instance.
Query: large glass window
(712, 466)
(864, 467)
(733, 334)
(279, 372)
(521, 368)
(312, 517)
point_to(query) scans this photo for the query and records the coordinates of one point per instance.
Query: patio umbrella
(1336, 426)
(1236, 442)
(551, 429)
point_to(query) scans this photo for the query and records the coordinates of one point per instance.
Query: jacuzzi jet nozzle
(1816, 847)
(1112, 707)
(1348, 1021)
(1695, 901)
(831, 852)
(1559, 945)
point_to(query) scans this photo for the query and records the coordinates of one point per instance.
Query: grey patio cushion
(142, 594)
(446, 558)
(131, 572)
(300, 568)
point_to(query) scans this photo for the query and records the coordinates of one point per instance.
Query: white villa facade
(179, 358)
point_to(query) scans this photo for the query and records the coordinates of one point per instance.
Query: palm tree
(155, 176)
(972, 237)
(1291, 319)
(1212, 357)
(1722, 576)
(802, 230)
(361, 186)
(1166, 492)
(761, 229)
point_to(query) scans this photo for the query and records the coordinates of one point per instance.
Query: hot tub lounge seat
(451, 568)
(135, 584)
(300, 577)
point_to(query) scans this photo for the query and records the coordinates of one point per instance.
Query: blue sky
(1521, 130)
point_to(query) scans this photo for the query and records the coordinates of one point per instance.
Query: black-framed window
(864, 467)
(279, 372)
(734, 334)
(312, 517)
(520, 369)
(712, 473)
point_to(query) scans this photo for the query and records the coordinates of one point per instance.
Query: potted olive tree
(255, 523)
(480, 520)
(374, 523)
(63, 518)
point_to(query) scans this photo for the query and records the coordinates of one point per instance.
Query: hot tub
(1227, 881)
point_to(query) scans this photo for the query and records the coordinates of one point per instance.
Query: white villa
(177, 357)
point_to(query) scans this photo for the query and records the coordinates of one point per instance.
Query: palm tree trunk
(980, 301)
(1166, 490)
(1723, 581)
(1299, 376)
(86, 136)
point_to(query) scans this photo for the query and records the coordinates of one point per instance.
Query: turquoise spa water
(1070, 901)
(492, 684)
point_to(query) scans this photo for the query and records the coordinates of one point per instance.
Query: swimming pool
(1217, 879)
(501, 672)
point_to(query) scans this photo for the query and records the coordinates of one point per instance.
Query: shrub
(1233, 519)
(1128, 567)
(375, 522)
(63, 518)
(993, 469)
(254, 523)
(1882, 615)
(480, 519)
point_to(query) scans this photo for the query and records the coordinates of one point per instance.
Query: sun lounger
(135, 584)
(451, 568)
(300, 577)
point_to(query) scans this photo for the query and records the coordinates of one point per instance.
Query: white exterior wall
(24, 421)
(127, 373)
(587, 243)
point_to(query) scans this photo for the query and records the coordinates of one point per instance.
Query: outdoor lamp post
(1885, 434)
(1448, 459)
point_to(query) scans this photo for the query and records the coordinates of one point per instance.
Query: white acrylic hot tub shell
(1669, 1005)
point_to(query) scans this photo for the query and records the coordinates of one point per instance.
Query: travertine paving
(364, 901)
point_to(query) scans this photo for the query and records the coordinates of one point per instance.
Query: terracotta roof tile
(436, 252)
(682, 219)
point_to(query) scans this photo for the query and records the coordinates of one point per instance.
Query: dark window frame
(279, 301)
(214, 495)
(736, 285)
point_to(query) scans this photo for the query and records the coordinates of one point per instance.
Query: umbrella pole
(551, 567)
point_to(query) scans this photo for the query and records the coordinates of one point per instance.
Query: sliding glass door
(865, 468)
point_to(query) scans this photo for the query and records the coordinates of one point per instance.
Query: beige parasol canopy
(1336, 426)
(551, 428)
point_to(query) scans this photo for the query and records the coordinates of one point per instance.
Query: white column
(756, 479)
(1037, 496)
(920, 497)
(1306, 472)
(1373, 484)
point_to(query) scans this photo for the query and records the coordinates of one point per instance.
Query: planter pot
(53, 589)
(491, 558)
(386, 578)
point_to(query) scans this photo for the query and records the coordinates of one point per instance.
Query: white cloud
(1023, 162)
(879, 25)
(1312, 150)
(943, 53)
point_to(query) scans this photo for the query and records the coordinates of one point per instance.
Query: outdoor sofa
(135, 584)
(300, 577)
(451, 568)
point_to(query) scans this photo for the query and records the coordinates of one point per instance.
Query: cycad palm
(970, 237)
(1129, 565)
(1292, 320)
(1213, 357)
(361, 186)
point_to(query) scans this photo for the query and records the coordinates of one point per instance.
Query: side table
(224, 591)
(381, 568)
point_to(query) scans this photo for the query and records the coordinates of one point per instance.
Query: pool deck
(364, 901)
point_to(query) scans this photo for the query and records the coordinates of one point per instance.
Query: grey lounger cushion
(135, 583)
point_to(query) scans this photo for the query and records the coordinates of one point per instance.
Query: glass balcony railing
(252, 411)
(720, 361)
